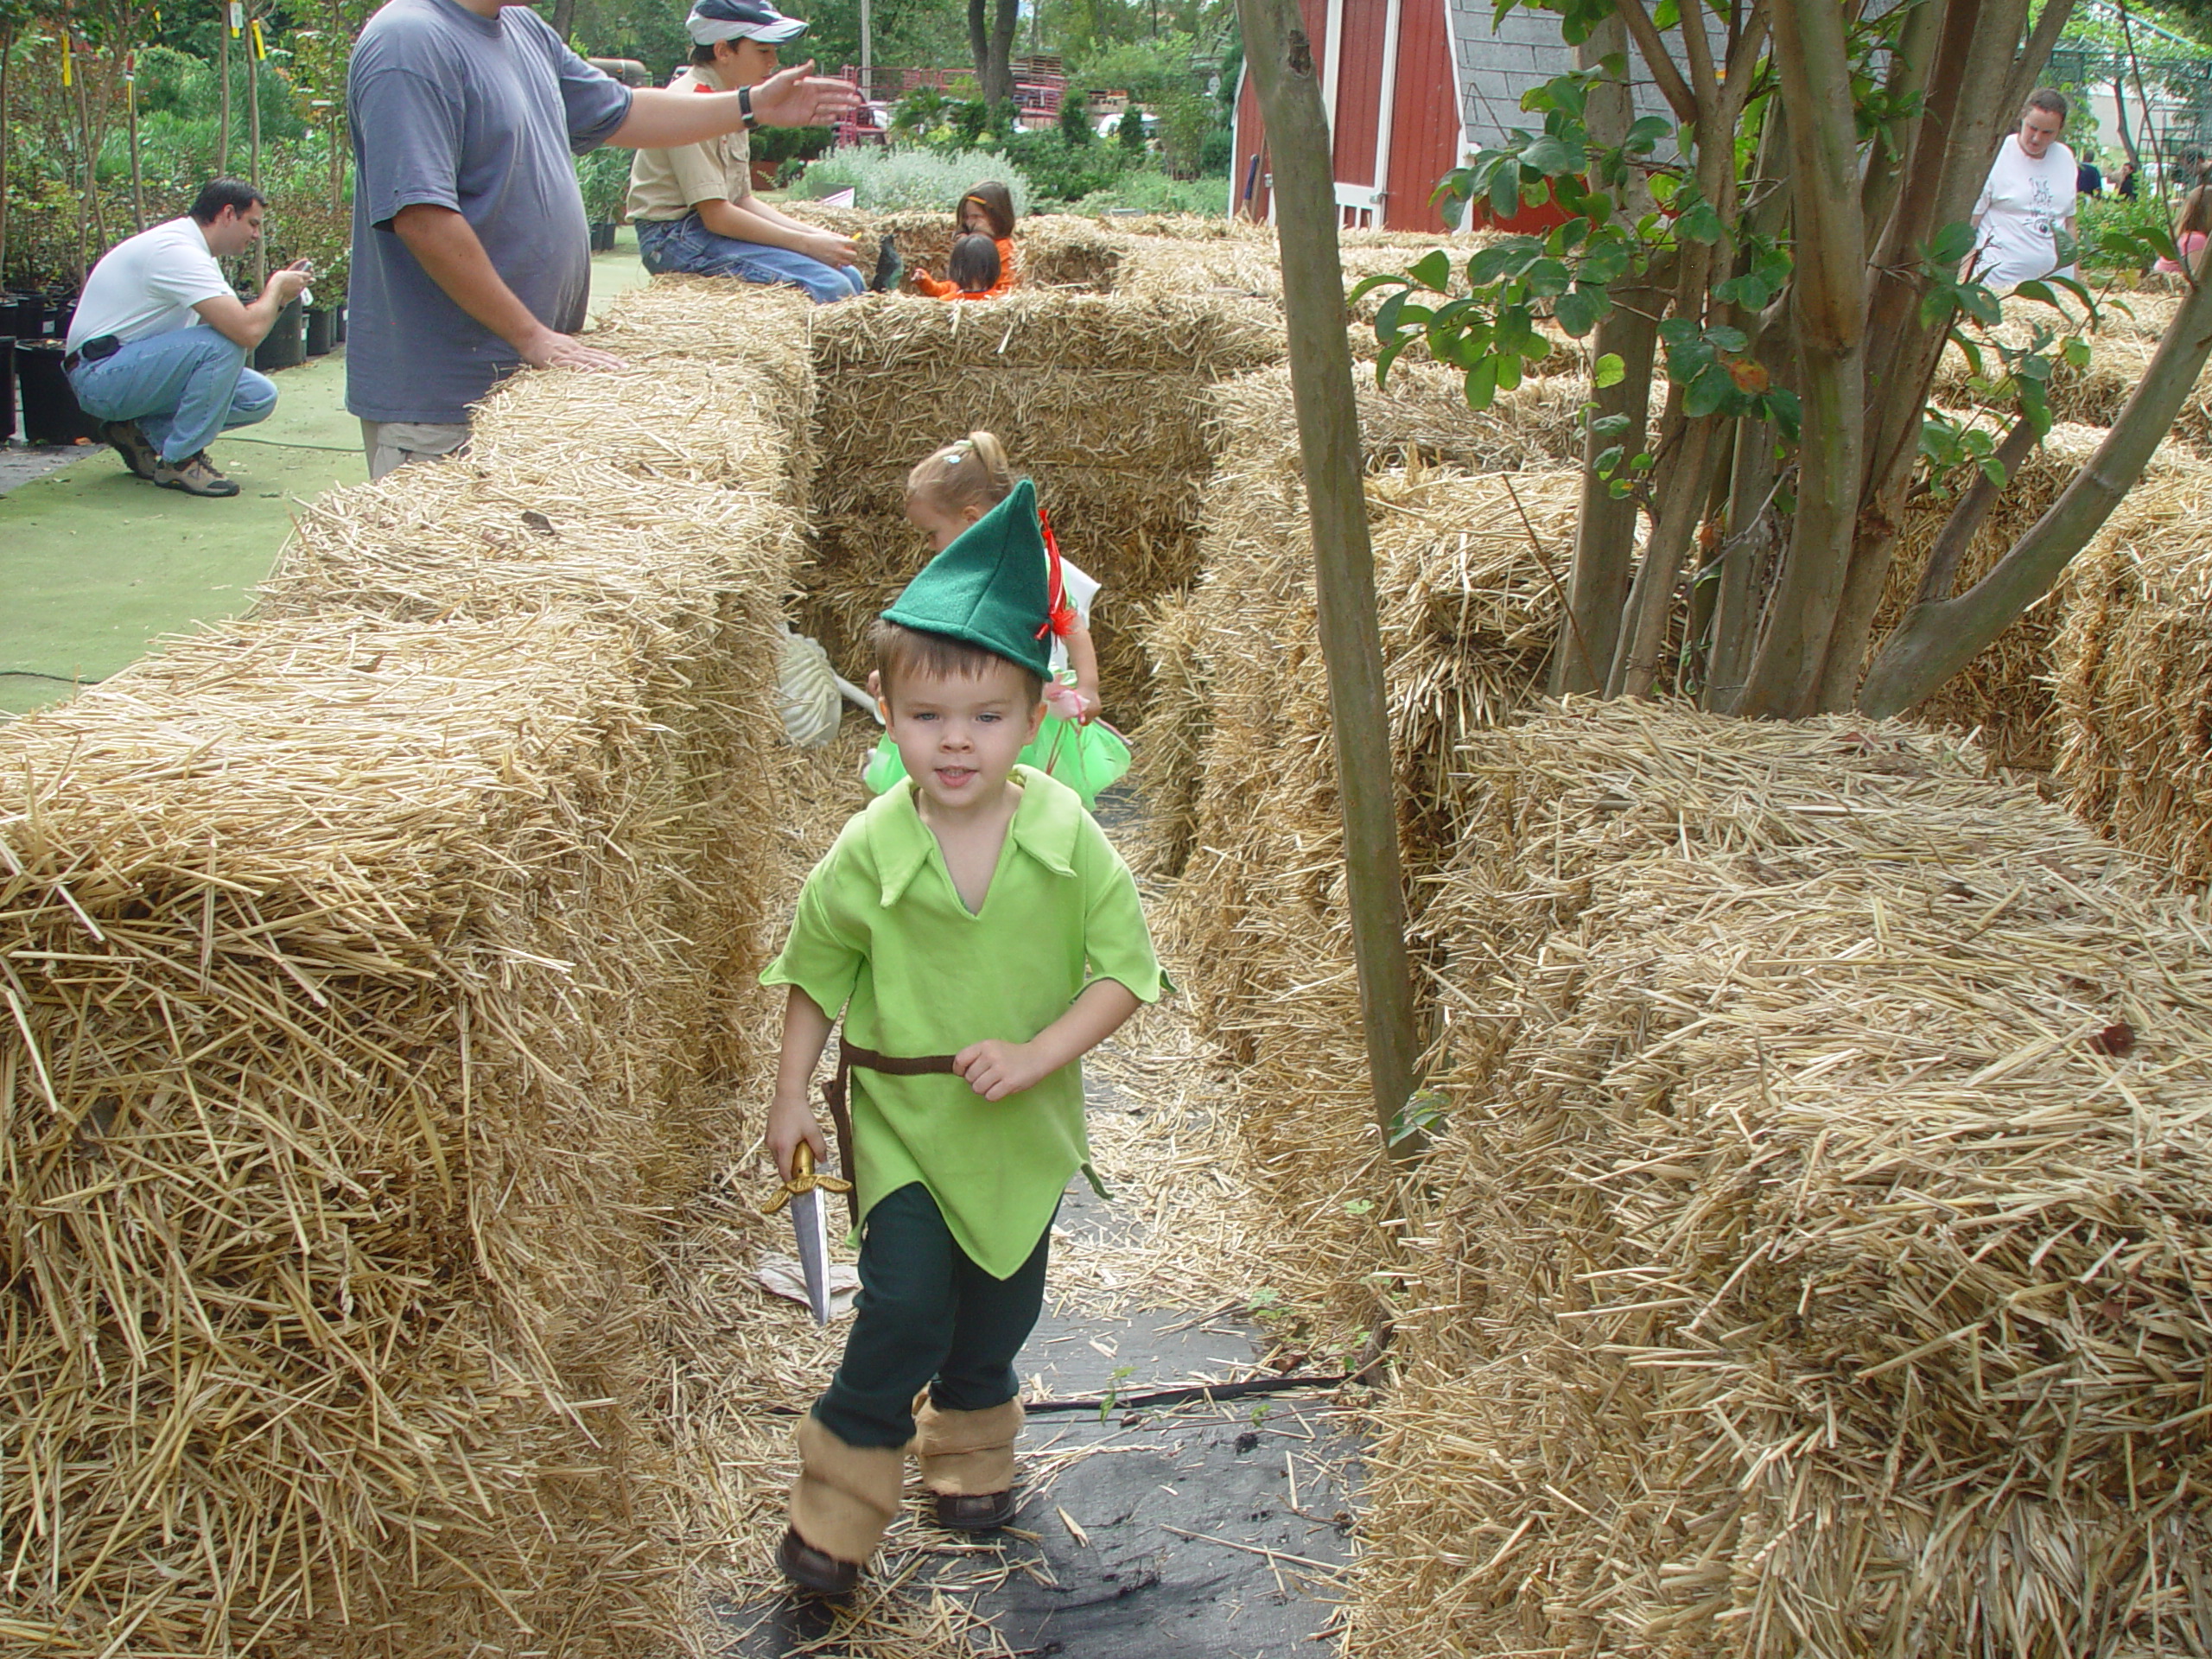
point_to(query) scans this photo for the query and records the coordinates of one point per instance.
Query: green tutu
(1087, 759)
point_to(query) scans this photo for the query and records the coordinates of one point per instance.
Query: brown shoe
(975, 1511)
(194, 475)
(127, 441)
(809, 1568)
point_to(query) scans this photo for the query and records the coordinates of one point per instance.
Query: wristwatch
(745, 109)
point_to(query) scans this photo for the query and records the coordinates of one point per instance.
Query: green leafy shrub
(2097, 216)
(1060, 172)
(1130, 133)
(604, 177)
(891, 180)
(1146, 190)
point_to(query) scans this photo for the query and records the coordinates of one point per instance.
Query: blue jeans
(685, 244)
(182, 388)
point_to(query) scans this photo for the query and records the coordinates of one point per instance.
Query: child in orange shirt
(987, 210)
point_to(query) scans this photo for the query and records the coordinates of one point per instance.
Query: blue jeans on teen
(685, 244)
(182, 388)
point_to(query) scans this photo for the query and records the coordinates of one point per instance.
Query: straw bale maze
(1812, 1257)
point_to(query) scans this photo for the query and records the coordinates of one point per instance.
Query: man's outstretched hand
(797, 97)
(550, 350)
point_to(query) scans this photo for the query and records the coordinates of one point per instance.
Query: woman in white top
(2029, 197)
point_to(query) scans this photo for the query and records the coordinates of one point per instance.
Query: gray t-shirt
(478, 114)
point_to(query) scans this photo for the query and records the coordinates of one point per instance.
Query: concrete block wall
(1498, 61)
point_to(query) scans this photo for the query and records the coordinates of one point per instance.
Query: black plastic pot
(602, 236)
(322, 329)
(338, 331)
(19, 314)
(50, 410)
(285, 346)
(7, 387)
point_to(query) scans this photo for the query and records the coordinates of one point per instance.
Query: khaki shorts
(391, 444)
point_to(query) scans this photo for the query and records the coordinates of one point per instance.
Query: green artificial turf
(97, 565)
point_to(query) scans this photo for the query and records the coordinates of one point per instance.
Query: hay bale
(2005, 694)
(1256, 521)
(357, 1061)
(1256, 920)
(381, 967)
(2094, 396)
(1418, 418)
(2134, 677)
(1101, 399)
(1815, 1260)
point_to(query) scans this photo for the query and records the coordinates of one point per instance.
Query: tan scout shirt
(669, 183)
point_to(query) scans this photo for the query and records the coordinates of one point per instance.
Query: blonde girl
(947, 492)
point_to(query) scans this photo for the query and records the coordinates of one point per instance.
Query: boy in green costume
(979, 935)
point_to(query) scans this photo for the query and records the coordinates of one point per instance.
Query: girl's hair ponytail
(972, 472)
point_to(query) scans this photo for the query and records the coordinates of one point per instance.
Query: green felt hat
(988, 586)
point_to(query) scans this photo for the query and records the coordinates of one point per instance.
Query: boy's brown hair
(900, 651)
(997, 203)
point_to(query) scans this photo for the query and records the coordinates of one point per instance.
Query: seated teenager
(693, 206)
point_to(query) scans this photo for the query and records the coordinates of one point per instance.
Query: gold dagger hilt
(805, 1178)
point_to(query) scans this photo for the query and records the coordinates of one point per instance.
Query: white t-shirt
(1080, 589)
(149, 284)
(2021, 205)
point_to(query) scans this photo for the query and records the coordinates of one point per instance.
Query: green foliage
(2134, 224)
(604, 177)
(1149, 71)
(894, 180)
(1061, 172)
(1130, 133)
(781, 145)
(1146, 190)
(1075, 121)
(1185, 119)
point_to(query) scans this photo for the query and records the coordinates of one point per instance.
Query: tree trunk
(564, 18)
(1938, 639)
(130, 116)
(991, 39)
(868, 48)
(1605, 527)
(1827, 310)
(1673, 528)
(253, 131)
(7, 44)
(1000, 90)
(223, 59)
(1280, 62)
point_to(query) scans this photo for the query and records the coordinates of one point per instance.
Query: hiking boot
(974, 1511)
(127, 441)
(811, 1569)
(194, 475)
(889, 267)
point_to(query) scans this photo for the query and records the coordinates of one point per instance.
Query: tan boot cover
(845, 1495)
(967, 1453)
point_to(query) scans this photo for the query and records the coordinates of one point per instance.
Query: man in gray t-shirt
(471, 253)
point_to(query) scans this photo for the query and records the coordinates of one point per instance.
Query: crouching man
(157, 352)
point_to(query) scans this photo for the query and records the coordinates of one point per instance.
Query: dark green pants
(927, 1316)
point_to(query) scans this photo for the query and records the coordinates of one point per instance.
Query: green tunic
(881, 934)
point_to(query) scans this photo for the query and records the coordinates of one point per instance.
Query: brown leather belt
(835, 1089)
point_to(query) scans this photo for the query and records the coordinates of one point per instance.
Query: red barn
(1394, 102)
